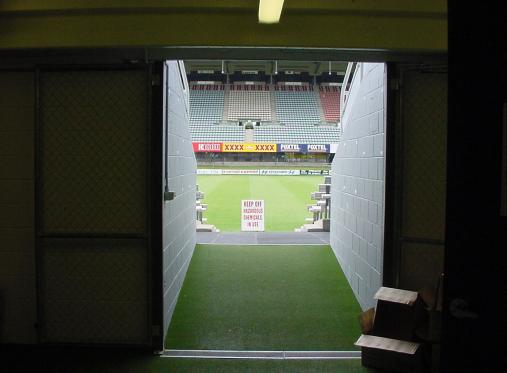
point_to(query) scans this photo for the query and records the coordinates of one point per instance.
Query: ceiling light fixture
(270, 10)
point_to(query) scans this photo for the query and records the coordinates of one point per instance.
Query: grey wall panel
(178, 214)
(17, 252)
(357, 202)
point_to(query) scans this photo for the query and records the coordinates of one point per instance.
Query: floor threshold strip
(279, 355)
(263, 244)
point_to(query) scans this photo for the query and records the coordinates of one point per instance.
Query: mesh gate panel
(94, 142)
(424, 154)
(422, 264)
(424, 120)
(95, 291)
(93, 148)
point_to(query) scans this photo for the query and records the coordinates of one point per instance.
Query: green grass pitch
(285, 199)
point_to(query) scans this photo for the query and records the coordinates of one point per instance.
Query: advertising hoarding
(240, 147)
(209, 147)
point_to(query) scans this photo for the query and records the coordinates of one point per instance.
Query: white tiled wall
(357, 217)
(178, 214)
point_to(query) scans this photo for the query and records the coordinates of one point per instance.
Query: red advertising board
(209, 147)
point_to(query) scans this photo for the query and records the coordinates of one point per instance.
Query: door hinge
(394, 84)
(156, 80)
(169, 195)
(155, 330)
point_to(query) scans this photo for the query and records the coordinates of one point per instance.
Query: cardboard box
(393, 355)
(389, 329)
(366, 319)
(398, 313)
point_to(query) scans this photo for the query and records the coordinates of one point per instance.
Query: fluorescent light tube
(270, 10)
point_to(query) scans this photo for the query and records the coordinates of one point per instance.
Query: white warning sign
(252, 215)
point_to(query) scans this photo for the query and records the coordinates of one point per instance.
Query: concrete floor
(263, 238)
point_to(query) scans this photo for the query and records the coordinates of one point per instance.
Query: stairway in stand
(249, 135)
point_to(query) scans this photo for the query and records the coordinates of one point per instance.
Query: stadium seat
(296, 107)
(217, 133)
(249, 102)
(206, 105)
(297, 134)
(330, 100)
(206, 110)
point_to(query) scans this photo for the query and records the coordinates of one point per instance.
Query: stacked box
(389, 342)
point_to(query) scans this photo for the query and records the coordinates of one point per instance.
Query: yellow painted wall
(419, 25)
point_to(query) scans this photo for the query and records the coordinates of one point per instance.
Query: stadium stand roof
(268, 67)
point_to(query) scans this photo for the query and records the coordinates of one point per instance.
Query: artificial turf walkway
(285, 199)
(281, 298)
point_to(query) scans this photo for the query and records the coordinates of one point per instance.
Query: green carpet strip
(264, 298)
(277, 355)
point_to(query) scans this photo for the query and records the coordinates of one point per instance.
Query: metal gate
(92, 213)
(421, 175)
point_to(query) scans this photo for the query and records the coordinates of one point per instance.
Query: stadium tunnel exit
(114, 183)
(62, 270)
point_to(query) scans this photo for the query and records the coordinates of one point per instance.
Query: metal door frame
(151, 59)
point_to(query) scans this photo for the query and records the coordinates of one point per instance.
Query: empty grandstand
(249, 102)
(206, 104)
(218, 133)
(296, 105)
(299, 106)
(297, 134)
(330, 101)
